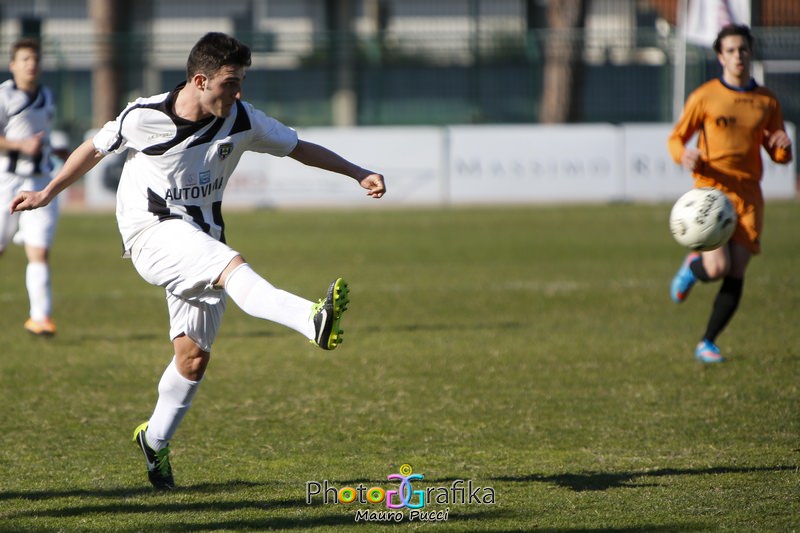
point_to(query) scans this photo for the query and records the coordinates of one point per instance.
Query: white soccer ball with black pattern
(702, 219)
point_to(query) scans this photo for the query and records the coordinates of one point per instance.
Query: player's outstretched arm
(81, 161)
(318, 156)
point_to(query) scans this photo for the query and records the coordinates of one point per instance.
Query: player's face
(222, 90)
(734, 57)
(24, 68)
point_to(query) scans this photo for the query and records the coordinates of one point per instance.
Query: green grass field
(531, 351)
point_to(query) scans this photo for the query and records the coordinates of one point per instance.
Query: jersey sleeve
(112, 138)
(779, 155)
(271, 136)
(3, 114)
(690, 121)
(109, 139)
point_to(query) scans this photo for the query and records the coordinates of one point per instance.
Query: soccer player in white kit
(182, 147)
(26, 115)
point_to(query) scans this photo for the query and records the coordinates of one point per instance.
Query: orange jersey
(732, 126)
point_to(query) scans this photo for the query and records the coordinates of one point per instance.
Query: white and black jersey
(176, 168)
(23, 115)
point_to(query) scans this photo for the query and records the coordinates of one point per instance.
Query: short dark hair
(733, 29)
(215, 50)
(27, 43)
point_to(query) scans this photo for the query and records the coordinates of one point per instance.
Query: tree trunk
(562, 55)
(345, 104)
(106, 84)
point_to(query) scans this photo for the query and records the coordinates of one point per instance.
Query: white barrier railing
(471, 165)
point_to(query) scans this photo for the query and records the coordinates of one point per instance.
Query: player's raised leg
(320, 323)
(684, 279)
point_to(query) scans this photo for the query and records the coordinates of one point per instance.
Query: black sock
(725, 305)
(699, 270)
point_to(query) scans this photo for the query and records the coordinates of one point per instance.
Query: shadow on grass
(608, 480)
(164, 504)
(649, 528)
(115, 337)
(371, 482)
(472, 326)
(169, 510)
(124, 492)
(374, 328)
(346, 520)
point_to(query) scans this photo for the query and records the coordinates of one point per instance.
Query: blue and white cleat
(684, 279)
(708, 352)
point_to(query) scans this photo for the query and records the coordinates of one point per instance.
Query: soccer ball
(702, 219)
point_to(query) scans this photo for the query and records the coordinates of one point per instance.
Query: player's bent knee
(193, 366)
(190, 359)
(716, 268)
(717, 272)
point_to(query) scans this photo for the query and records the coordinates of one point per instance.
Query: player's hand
(32, 145)
(777, 139)
(27, 200)
(374, 184)
(690, 158)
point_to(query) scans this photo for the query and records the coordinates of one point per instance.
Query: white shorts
(30, 228)
(178, 256)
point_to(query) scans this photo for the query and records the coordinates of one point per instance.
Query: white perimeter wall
(522, 164)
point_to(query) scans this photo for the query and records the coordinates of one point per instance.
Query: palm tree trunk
(562, 55)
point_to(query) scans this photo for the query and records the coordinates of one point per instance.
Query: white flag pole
(679, 75)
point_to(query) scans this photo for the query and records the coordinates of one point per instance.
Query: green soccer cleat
(327, 316)
(159, 471)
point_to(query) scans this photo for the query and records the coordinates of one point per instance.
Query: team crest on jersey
(224, 150)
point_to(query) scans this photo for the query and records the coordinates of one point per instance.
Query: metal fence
(453, 73)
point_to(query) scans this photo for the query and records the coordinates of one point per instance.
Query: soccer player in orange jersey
(735, 118)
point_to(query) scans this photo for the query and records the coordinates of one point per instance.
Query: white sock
(37, 280)
(175, 394)
(257, 297)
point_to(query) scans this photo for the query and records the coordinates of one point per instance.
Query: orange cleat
(42, 328)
